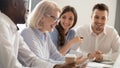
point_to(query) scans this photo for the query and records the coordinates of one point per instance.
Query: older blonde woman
(41, 21)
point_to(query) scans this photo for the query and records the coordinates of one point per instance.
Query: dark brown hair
(101, 6)
(61, 36)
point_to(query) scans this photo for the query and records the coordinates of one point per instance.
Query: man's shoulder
(3, 18)
(6, 22)
(83, 27)
(110, 29)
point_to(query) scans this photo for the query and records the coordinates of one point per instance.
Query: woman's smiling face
(67, 20)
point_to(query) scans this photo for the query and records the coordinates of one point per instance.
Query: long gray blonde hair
(42, 8)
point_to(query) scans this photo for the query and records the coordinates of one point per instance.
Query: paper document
(98, 65)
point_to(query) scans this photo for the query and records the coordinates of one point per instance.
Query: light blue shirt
(41, 44)
(54, 36)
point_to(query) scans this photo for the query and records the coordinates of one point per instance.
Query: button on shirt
(108, 41)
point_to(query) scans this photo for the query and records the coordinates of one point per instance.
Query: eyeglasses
(57, 20)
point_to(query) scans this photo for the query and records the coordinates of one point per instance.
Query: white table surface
(98, 65)
(117, 63)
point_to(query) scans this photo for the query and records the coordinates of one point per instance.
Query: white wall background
(84, 8)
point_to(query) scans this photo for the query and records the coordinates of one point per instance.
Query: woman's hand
(77, 39)
(70, 65)
(80, 60)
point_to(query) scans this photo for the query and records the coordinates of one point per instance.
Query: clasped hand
(97, 56)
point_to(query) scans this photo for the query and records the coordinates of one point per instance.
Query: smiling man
(101, 41)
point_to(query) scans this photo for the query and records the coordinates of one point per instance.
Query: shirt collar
(91, 31)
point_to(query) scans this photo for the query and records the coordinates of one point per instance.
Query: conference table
(105, 64)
